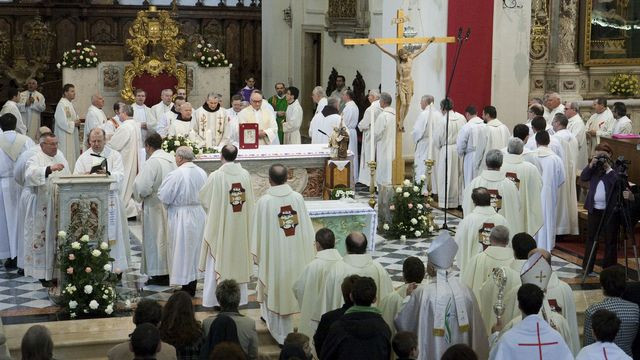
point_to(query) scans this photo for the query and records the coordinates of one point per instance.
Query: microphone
(468, 34)
(459, 37)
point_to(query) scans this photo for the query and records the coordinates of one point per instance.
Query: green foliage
(410, 211)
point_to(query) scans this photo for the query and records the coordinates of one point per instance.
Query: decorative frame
(248, 136)
(587, 45)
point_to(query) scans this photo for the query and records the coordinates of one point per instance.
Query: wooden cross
(400, 40)
(539, 344)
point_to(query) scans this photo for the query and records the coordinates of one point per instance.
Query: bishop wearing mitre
(210, 123)
(259, 113)
(445, 311)
(66, 126)
(282, 245)
(227, 197)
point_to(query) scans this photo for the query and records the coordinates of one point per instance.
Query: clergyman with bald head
(260, 112)
(96, 118)
(31, 104)
(372, 112)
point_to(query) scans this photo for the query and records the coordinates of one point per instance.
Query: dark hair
(403, 343)
(229, 152)
(147, 311)
(522, 244)
(521, 131)
(350, 94)
(227, 351)
(343, 78)
(236, 97)
(296, 338)
(37, 344)
(604, 147)
(491, 111)
(364, 291)
(278, 174)
(8, 122)
(471, 110)
(179, 97)
(66, 87)
(605, 325)
(116, 107)
(326, 238)
(620, 108)
(413, 270)
(352, 245)
(12, 92)
(228, 295)
(561, 119)
(446, 104)
(538, 123)
(179, 326)
(537, 109)
(613, 281)
(530, 298)
(280, 83)
(480, 196)
(542, 138)
(346, 286)
(153, 140)
(144, 340)
(459, 352)
(601, 101)
(294, 91)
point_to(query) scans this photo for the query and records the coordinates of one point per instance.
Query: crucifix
(404, 82)
(541, 277)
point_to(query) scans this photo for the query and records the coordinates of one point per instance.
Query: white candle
(208, 138)
(372, 136)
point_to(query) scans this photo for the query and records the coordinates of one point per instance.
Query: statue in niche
(331, 85)
(360, 99)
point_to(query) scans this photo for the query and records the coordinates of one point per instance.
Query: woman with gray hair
(37, 344)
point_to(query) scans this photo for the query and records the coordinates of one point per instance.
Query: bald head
(545, 254)
(356, 243)
(277, 174)
(97, 100)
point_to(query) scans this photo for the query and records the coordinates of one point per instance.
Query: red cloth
(153, 85)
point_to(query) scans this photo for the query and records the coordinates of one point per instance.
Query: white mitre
(442, 251)
(536, 271)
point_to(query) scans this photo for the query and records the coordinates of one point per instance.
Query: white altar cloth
(291, 151)
(345, 208)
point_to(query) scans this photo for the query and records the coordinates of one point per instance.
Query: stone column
(539, 50)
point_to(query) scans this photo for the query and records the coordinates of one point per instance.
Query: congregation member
(293, 117)
(260, 114)
(323, 123)
(605, 326)
(66, 126)
(423, 136)
(90, 162)
(310, 282)
(179, 327)
(142, 114)
(448, 157)
(31, 104)
(165, 105)
(95, 118)
(405, 345)
(156, 244)
(350, 116)
(179, 193)
(228, 199)
(319, 97)
(468, 144)
(113, 123)
(497, 133)
(145, 342)
(444, 312)
(459, 352)
(413, 272)
(621, 124)
(472, 234)
(598, 123)
(182, 125)
(577, 128)
(165, 121)
(248, 89)
(282, 245)
(209, 122)
(552, 106)
(330, 317)
(567, 211)
(279, 103)
(385, 141)
(37, 344)
(11, 107)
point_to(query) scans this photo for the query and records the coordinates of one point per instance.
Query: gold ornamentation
(539, 31)
(32, 50)
(612, 46)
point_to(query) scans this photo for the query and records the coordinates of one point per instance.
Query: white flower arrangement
(342, 193)
(104, 245)
(406, 194)
(385, 226)
(84, 238)
(75, 245)
(406, 182)
(73, 304)
(107, 267)
(93, 305)
(208, 56)
(96, 252)
(82, 56)
(398, 190)
(88, 289)
(409, 212)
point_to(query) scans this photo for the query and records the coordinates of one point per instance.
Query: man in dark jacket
(361, 333)
(332, 316)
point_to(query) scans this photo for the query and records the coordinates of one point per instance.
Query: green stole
(279, 105)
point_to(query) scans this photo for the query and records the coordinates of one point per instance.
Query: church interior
(388, 119)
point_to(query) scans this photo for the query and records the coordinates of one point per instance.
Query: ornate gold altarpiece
(611, 33)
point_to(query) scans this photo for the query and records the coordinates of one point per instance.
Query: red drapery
(153, 85)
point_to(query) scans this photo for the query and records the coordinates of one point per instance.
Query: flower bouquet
(208, 56)
(340, 193)
(410, 212)
(171, 143)
(623, 85)
(83, 56)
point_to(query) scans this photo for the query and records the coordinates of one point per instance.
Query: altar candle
(372, 137)
(208, 138)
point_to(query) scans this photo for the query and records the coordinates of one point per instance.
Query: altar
(305, 162)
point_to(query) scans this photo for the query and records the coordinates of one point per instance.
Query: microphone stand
(447, 105)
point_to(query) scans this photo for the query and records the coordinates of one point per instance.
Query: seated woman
(180, 328)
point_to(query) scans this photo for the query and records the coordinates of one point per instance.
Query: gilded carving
(539, 30)
(348, 18)
(31, 51)
(567, 21)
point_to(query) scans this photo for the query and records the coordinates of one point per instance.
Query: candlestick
(431, 223)
(372, 186)
(372, 136)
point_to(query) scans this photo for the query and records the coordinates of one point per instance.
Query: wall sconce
(511, 4)
(287, 15)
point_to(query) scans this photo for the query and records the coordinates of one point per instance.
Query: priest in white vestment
(567, 211)
(262, 115)
(553, 176)
(448, 157)
(552, 106)
(310, 282)
(370, 114)
(444, 312)
(470, 138)
(31, 104)
(95, 118)
(228, 199)
(157, 246)
(577, 128)
(357, 262)
(413, 273)
(179, 192)
(11, 107)
(40, 228)
(497, 133)
(232, 118)
(12, 145)
(182, 125)
(293, 119)
(324, 122)
(209, 123)
(505, 198)
(351, 116)
(423, 133)
(282, 245)
(164, 121)
(605, 325)
(621, 124)
(385, 141)
(319, 97)
(598, 124)
(472, 233)
(117, 228)
(113, 123)
(126, 140)
(538, 124)
(143, 115)
(66, 126)
(528, 180)
(165, 105)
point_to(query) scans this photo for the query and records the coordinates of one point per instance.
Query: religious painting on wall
(248, 136)
(611, 32)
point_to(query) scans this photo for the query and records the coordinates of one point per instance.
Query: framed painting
(611, 34)
(248, 136)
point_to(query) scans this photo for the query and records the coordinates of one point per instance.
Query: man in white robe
(310, 282)
(319, 97)
(31, 105)
(470, 137)
(143, 115)
(385, 141)
(553, 105)
(599, 124)
(535, 110)
(324, 122)
(12, 145)
(553, 176)
(209, 122)
(448, 157)
(505, 198)
(567, 211)
(66, 126)
(40, 228)
(370, 114)
(293, 118)
(182, 125)
(165, 105)
(497, 133)
(165, 121)
(282, 245)
(261, 114)
(157, 246)
(228, 199)
(95, 118)
(113, 123)
(232, 117)
(577, 128)
(126, 140)
(621, 124)
(179, 192)
(11, 107)
(538, 124)
(423, 136)
(528, 180)
(413, 273)
(472, 234)
(605, 326)
(444, 312)
(351, 116)
(117, 227)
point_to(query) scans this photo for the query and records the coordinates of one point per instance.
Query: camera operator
(602, 179)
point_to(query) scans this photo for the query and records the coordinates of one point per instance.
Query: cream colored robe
(577, 128)
(67, 132)
(31, 114)
(550, 113)
(291, 126)
(126, 140)
(364, 175)
(497, 137)
(481, 265)
(447, 147)
(567, 210)
(602, 124)
(529, 183)
(423, 134)
(216, 123)
(553, 177)
(488, 295)
(266, 121)
(156, 245)
(474, 225)
(95, 118)
(143, 114)
(385, 138)
(11, 107)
